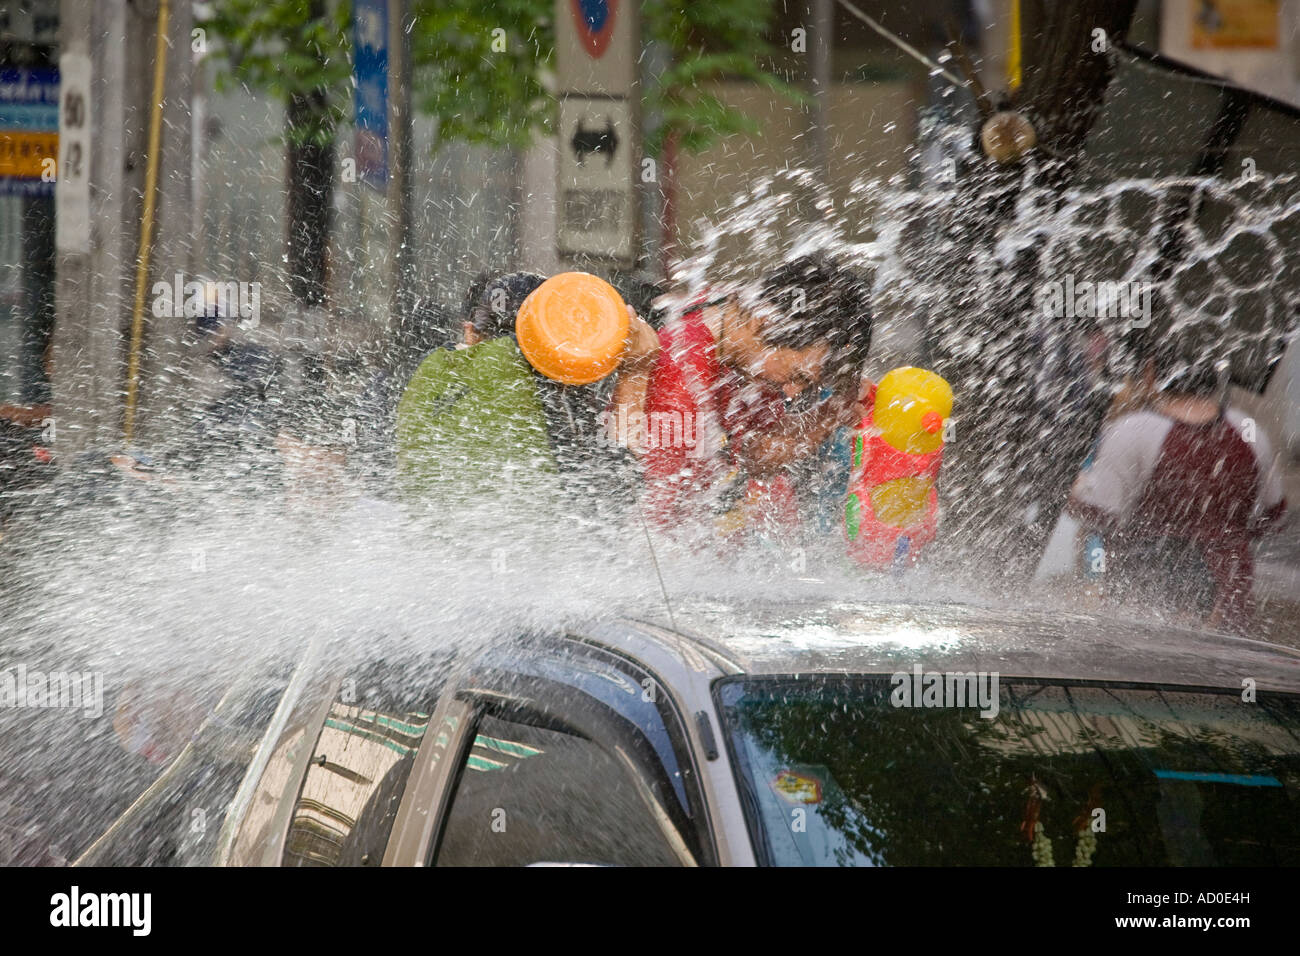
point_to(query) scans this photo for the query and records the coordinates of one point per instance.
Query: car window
(528, 795)
(360, 764)
(849, 771)
(628, 704)
(354, 783)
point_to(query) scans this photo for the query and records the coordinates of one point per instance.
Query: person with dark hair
(642, 295)
(1180, 489)
(491, 304)
(481, 420)
(747, 386)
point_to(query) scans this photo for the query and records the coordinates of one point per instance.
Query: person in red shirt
(744, 388)
(1180, 490)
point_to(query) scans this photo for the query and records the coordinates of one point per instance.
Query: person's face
(791, 370)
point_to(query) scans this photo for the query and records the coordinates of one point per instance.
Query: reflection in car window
(656, 737)
(353, 786)
(1061, 775)
(530, 795)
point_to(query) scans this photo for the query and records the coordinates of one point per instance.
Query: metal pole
(401, 251)
(821, 15)
(146, 221)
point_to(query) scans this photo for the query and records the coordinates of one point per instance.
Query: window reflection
(353, 786)
(1063, 775)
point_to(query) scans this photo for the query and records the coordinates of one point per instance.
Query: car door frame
(427, 798)
(425, 805)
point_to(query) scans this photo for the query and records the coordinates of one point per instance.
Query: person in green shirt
(478, 427)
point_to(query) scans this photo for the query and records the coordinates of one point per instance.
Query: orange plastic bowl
(573, 328)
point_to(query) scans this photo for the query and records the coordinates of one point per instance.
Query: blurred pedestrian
(1179, 491)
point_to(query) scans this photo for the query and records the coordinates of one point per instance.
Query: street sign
(72, 189)
(29, 131)
(595, 46)
(22, 152)
(597, 200)
(370, 70)
(596, 74)
(595, 21)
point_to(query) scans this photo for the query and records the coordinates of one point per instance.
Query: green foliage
(478, 94)
(719, 40)
(498, 97)
(288, 49)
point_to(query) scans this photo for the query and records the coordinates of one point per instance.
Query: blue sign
(29, 100)
(370, 70)
(595, 12)
(19, 186)
(29, 118)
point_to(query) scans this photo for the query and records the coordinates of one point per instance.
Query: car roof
(815, 637)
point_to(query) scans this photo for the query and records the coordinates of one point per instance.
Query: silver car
(785, 735)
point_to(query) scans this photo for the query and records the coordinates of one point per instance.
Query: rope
(903, 44)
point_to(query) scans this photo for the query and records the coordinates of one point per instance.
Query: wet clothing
(697, 410)
(469, 417)
(1182, 504)
(479, 423)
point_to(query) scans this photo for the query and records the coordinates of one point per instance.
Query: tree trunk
(311, 184)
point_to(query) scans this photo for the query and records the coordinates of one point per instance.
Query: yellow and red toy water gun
(892, 509)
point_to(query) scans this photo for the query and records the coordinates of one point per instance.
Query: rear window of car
(844, 771)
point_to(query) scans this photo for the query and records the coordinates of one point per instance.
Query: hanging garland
(1040, 845)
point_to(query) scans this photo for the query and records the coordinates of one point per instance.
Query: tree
(300, 51)
(479, 69)
(484, 67)
(708, 42)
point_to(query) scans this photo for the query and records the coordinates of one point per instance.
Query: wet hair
(1179, 374)
(493, 300)
(473, 294)
(1181, 367)
(640, 294)
(818, 302)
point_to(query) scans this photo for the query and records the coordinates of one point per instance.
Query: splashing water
(174, 598)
